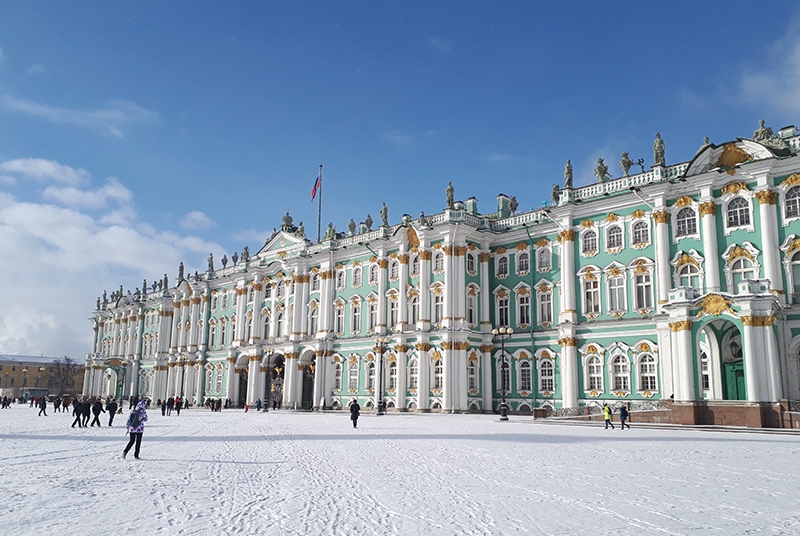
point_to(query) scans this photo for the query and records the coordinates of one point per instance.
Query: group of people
(216, 404)
(83, 408)
(624, 413)
(169, 404)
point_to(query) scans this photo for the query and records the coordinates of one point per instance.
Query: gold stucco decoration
(766, 197)
(709, 208)
(734, 188)
(542, 242)
(614, 272)
(662, 216)
(732, 155)
(587, 224)
(413, 239)
(501, 250)
(739, 252)
(566, 236)
(686, 259)
(638, 213)
(612, 217)
(684, 201)
(715, 305)
(792, 180)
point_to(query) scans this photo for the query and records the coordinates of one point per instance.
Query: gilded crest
(587, 224)
(684, 201)
(543, 242)
(638, 213)
(715, 305)
(738, 252)
(612, 217)
(792, 180)
(686, 259)
(413, 239)
(732, 155)
(734, 188)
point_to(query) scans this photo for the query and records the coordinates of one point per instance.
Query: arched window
(793, 202)
(250, 294)
(594, 369)
(543, 259)
(281, 289)
(355, 317)
(621, 373)
(546, 376)
(339, 327)
(415, 265)
(352, 381)
(689, 276)
(438, 262)
(738, 212)
(438, 308)
(413, 374)
(589, 242)
(472, 374)
(686, 222)
(313, 317)
(472, 309)
(224, 301)
(266, 325)
(616, 292)
(796, 273)
(235, 295)
(248, 328)
(223, 333)
(357, 276)
(393, 305)
(373, 274)
(279, 325)
(340, 276)
(267, 290)
(545, 307)
(647, 373)
(502, 311)
(392, 375)
(438, 374)
(413, 310)
(641, 233)
(471, 268)
(370, 376)
(372, 315)
(502, 266)
(523, 262)
(394, 270)
(525, 376)
(523, 308)
(314, 282)
(741, 270)
(614, 237)
(337, 376)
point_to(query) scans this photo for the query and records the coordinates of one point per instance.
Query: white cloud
(73, 197)
(36, 69)
(775, 80)
(400, 138)
(197, 220)
(111, 119)
(60, 259)
(45, 170)
(441, 45)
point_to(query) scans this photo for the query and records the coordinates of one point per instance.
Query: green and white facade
(677, 282)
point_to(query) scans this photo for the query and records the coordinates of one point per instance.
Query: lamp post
(503, 334)
(381, 343)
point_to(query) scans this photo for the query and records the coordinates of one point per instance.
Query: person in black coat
(97, 409)
(77, 412)
(623, 416)
(355, 410)
(43, 406)
(87, 412)
(111, 407)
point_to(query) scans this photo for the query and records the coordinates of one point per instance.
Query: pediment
(282, 240)
(726, 156)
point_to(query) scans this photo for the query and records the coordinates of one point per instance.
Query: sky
(293, 473)
(137, 136)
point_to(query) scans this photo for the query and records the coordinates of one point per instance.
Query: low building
(675, 288)
(23, 376)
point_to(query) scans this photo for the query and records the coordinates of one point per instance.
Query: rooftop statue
(224, 261)
(98, 303)
(246, 250)
(765, 136)
(166, 283)
(330, 232)
(568, 175)
(368, 222)
(180, 272)
(287, 220)
(513, 205)
(301, 232)
(556, 193)
(352, 227)
(658, 151)
(144, 286)
(423, 222)
(384, 215)
(235, 258)
(601, 170)
(625, 164)
(210, 262)
(450, 192)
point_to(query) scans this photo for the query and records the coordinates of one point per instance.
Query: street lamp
(41, 370)
(381, 343)
(502, 334)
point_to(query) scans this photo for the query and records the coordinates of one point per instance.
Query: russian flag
(317, 185)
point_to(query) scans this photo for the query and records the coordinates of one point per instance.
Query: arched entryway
(307, 368)
(113, 383)
(720, 361)
(273, 386)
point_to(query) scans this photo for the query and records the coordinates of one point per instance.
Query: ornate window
(545, 297)
(614, 237)
(340, 278)
(212, 334)
(502, 267)
(266, 324)
(738, 212)
(279, 325)
(248, 328)
(523, 263)
(438, 307)
(235, 295)
(355, 316)
(313, 317)
(741, 270)
(339, 322)
(616, 291)
(546, 376)
(591, 292)
(415, 265)
(413, 374)
(267, 290)
(352, 380)
(220, 373)
(689, 276)
(544, 260)
(620, 372)
(280, 290)
(314, 282)
(223, 333)
(393, 306)
(471, 267)
(372, 315)
(472, 307)
(589, 242)
(224, 301)
(594, 374)
(793, 202)
(438, 262)
(250, 294)
(392, 375)
(647, 372)
(357, 276)
(472, 374)
(438, 374)
(502, 310)
(641, 233)
(370, 376)
(337, 376)
(686, 222)
(413, 310)
(525, 377)
(373, 274)
(644, 290)
(394, 270)
(795, 264)
(523, 306)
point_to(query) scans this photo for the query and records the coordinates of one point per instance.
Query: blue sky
(135, 136)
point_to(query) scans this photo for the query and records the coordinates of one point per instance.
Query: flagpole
(319, 211)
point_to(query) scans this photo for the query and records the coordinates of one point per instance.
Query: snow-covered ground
(312, 473)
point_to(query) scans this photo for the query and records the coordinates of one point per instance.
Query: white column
(661, 219)
(402, 290)
(773, 363)
(320, 373)
(486, 377)
(569, 369)
(486, 292)
(253, 372)
(709, 221)
(383, 264)
(684, 358)
(231, 390)
(751, 360)
(769, 241)
(448, 369)
(448, 315)
(424, 292)
(458, 292)
(402, 380)
(569, 311)
(290, 379)
(173, 338)
(424, 387)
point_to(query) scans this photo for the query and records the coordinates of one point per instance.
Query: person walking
(111, 408)
(607, 415)
(355, 410)
(623, 416)
(135, 427)
(97, 409)
(43, 406)
(77, 412)
(178, 405)
(87, 411)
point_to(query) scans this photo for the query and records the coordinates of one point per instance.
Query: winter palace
(677, 287)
